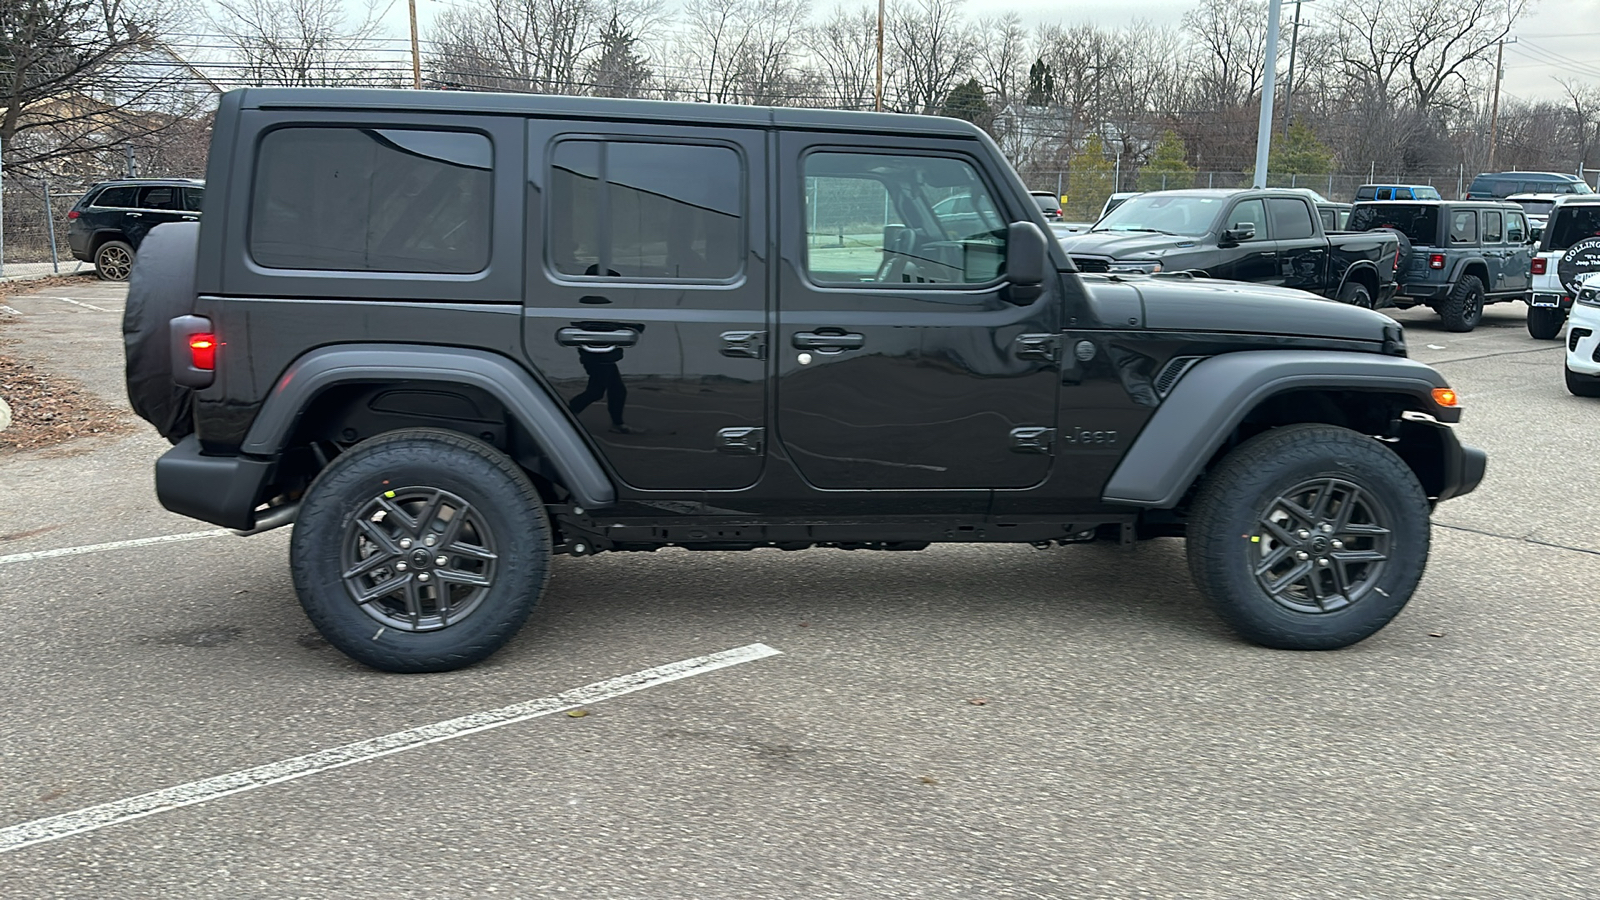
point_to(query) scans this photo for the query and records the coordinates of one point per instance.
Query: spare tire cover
(1582, 258)
(1404, 255)
(161, 289)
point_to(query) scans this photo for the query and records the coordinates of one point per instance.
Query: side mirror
(1026, 251)
(1242, 231)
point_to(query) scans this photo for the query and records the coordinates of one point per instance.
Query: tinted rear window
(1417, 222)
(1046, 203)
(1569, 225)
(118, 197)
(372, 200)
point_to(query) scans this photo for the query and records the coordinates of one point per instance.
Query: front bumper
(222, 490)
(1445, 466)
(1583, 340)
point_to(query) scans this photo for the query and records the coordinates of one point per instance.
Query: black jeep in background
(448, 335)
(109, 222)
(1463, 254)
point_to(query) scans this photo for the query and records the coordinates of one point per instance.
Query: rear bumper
(1425, 291)
(221, 490)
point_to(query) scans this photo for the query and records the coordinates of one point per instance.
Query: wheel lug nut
(422, 576)
(1323, 562)
(1304, 534)
(429, 540)
(405, 543)
(1302, 555)
(1338, 545)
(1327, 528)
(441, 560)
(399, 567)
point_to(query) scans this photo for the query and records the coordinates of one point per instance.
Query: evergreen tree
(1168, 168)
(1300, 154)
(1090, 180)
(966, 101)
(619, 70)
(1041, 84)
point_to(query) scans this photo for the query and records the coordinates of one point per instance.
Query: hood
(1202, 304)
(1125, 244)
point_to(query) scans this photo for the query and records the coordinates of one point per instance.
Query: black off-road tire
(1463, 309)
(1356, 294)
(1228, 539)
(1544, 322)
(503, 515)
(1582, 385)
(113, 261)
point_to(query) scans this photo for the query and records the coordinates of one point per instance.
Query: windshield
(1164, 213)
(1570, 225)
(1536, 207)
(1418, 222)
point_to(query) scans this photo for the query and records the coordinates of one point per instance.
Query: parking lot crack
(1524, 539)
(1446, 362)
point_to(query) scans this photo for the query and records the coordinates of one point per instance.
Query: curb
(5, 415)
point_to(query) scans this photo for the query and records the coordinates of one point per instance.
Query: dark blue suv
(109, 222)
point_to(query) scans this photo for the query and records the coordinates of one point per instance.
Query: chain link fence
(1337, 186)
(35, 227)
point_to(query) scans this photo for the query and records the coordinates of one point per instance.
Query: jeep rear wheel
(1309, 537)
(1463, 309)
(420, 551)
(113, 261)
(1545, 322)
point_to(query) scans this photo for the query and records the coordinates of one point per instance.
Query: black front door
(646, 297)
(1252, 259)
(1302, 252)
(900, 364)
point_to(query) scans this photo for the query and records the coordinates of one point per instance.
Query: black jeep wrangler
(449, 335)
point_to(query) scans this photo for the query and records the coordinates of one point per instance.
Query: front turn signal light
(1446, 397)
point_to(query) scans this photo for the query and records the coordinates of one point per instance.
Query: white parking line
(96, 817)
(82, 304)
(114, 545)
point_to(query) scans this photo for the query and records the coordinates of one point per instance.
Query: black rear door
(899, 363)
(646, 295)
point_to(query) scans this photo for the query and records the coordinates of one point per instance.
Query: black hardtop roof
(600, 108)
(1491, 204)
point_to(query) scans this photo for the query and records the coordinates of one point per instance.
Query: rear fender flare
(524, 399)
(1215, 396)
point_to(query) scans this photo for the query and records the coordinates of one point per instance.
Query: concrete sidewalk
(23, 271)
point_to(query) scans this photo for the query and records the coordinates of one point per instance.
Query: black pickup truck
(1267, 236)
(450, 335)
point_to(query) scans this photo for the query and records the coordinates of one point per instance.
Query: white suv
(1583, 339)
(1568, 250)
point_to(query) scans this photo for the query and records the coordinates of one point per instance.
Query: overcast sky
(1558, 39)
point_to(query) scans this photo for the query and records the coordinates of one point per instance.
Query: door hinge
(741, 441)
(745, 344)
(1033, 439)
(1039, 346)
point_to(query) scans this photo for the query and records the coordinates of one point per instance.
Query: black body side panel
(507, 382)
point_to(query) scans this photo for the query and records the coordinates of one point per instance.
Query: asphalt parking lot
(962, 722)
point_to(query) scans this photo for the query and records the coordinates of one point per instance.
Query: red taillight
(1436, 260)
(1538, 265)
(203, 351)
(74, 214)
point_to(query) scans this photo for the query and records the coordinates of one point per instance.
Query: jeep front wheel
(1309, 537)
(420, 551)
(1545, 322)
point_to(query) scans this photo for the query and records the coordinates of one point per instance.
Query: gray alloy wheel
(114, 261)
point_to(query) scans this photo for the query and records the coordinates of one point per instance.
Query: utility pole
(1268, 85)
(1494, 113)
(1288, 82)
(878, 104)
(416, 54)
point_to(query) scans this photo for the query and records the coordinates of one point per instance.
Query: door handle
(583, 337)
(828, 343)
(191, 218)
(134, 215)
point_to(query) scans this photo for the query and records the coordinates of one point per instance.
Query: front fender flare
(500, 377)
(1215, 396)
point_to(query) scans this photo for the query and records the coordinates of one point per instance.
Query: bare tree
(744, 51)
(300, 42)
(1232, 35)
(844, 48)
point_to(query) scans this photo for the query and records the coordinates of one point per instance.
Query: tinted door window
(192, 198)
(1493, 228)
(1250, 212)
(1463, 226)
(1516, 229)
(1571, 224)
(158, 197)
(1291, 220)
(901, 220)
(117, 197)
(374, 200)
(1386, 193)
(1365, 193)
(645, 211)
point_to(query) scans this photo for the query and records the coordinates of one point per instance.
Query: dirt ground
(47, 408)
